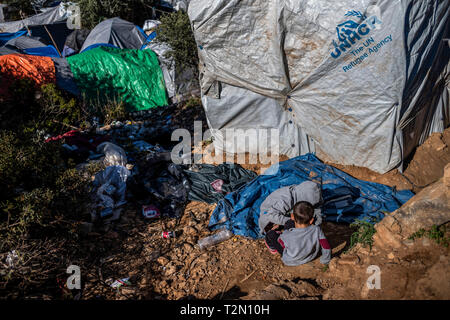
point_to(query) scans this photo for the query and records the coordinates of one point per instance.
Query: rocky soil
(242, 268)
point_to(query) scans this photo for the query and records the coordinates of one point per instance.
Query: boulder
(429, 207)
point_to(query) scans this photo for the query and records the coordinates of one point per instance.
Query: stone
(391, 256)
(349, 260)
(187, 247)
(426, 242)
(447, 176)
(162, 261)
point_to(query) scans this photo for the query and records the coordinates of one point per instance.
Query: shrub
(175, 30)
(438, 234)
(364, 233)
(37, 189)
(95, 11)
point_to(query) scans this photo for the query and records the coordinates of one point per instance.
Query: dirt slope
(242, 268)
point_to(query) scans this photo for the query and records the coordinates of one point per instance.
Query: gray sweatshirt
(278, 206)
(302, 245)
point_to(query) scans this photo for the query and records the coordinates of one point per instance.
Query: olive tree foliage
(95, 11)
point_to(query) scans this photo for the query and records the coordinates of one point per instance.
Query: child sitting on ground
(301, 241)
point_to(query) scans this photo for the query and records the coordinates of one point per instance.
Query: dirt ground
(242, 268)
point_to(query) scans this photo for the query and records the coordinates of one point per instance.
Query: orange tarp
(40, 70)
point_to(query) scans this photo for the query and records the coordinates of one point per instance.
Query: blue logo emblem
(350, 31)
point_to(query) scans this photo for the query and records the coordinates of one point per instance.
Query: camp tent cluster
(116, 60)
(358, 82)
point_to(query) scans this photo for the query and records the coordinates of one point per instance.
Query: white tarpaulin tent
(359, 82)
(51, 15)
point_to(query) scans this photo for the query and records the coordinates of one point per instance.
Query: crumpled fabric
(209, 183)
(239, 211)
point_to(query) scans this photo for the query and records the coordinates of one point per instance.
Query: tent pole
(54, 43)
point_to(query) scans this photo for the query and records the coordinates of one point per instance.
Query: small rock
(162, 261)
(391, 256)
(408, 242)
(187, 247)
(425, 242)
(349, 260)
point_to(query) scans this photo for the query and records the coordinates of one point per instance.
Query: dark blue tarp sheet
(5, 37)
(239, 210)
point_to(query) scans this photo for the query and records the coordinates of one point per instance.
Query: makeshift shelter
(74, 42)
(131, 76)
(39, 70)
(358, 82)
(56, 14)
(58, 31)
(32, 46)
(117, 33)
(239, 211)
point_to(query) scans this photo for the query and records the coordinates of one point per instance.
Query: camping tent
(74, 42)
(32, 46)
(359, 82)
(117, 33)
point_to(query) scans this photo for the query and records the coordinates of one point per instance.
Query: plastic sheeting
(40, 70)
(64, 76)
(360, 82)
(32, 46)
(6, 37)
(210, 183)
(52, 15)
(132, 76)
(115, 32)
(111, 186)
(178, 85)
(239, 211)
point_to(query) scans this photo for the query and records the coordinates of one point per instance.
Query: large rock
(429, 207)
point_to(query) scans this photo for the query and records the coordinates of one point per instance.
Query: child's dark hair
(303, 212)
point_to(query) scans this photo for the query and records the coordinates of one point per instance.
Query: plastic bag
(110, 187)
(114, 155)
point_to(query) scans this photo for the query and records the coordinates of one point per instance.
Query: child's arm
(275, 208)
(326, 248)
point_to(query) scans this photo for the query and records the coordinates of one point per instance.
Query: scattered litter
(111, 187)
(114, 155)
(150, 212)
(214, 239)
(120, 282)
(12, 259)
(168, 234)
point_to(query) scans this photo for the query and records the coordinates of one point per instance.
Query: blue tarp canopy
(239, 210)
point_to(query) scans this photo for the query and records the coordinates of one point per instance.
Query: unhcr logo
(350, 31)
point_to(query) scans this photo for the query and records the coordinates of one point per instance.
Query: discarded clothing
(239, 211)
(209, 183)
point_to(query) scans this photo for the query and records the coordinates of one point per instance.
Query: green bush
(438, 234)
(175, 30)
(364, 233)
(37, 188)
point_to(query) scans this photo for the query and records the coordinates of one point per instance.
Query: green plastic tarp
(110, 74)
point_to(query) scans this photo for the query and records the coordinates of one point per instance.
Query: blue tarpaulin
(239, 210)
(5, 37)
